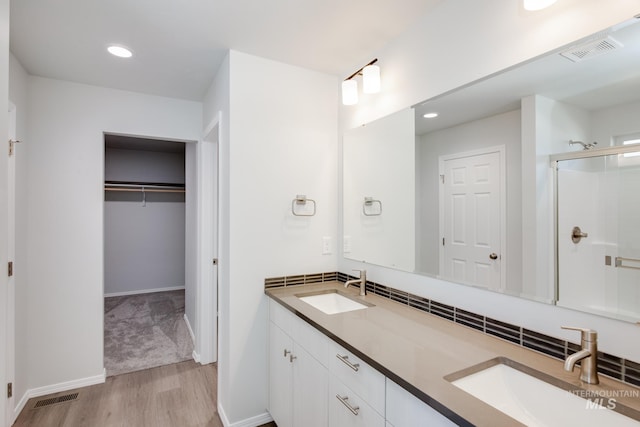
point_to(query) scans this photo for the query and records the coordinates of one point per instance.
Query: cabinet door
(347, 409)
(406, 410)
(310, 388)
(280, 376)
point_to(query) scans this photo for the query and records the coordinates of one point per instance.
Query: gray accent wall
(144, 242)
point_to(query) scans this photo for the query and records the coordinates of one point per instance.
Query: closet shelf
(148, 187)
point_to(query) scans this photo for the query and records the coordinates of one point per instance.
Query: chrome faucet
(362, 280)
(588, 355)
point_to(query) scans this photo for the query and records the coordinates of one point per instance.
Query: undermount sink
(332, 301)
(537, 399)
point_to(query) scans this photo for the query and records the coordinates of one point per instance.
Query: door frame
(501, 150)
(10, 414)
(208, 241)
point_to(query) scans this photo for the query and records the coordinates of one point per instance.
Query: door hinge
(10, 268)
(215, 261)
(442, 178)
(12, 142)
(443, 241)
(9, 390)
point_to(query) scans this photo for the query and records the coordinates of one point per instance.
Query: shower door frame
(575, 155)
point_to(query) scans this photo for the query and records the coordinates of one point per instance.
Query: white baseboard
(57, 388)
(144, 291)
(258, 420)
(193, 337)
(194, 354)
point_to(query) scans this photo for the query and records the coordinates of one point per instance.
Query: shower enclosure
(597, 231)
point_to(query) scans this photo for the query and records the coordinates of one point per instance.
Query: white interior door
(471, 211)
(11, 250)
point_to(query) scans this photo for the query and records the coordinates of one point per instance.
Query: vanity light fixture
(120, 51)
(370, 83)
(537, 4)
(430, 115)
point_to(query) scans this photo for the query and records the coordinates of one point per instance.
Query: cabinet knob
(292, 358)
(286, 353)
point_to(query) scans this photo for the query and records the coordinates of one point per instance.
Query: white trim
(258, 420)
(208, 207)
(56, 388)
(19, 407)
(194, 353)
(186, 320)
(144, 291)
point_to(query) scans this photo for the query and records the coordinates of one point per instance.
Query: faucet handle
(587, 334)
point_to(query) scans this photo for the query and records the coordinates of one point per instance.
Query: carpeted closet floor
(144, 331)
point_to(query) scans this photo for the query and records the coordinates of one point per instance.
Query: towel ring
(369, 202)
(302, 200)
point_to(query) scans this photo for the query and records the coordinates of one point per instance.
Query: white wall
(279, 141)
(65, 214)
(434, 57)
(502, 129)
(18, 81)
(615, 121)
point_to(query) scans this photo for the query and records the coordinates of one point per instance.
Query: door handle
(493, 255)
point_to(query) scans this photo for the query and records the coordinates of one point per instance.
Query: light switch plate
(326, 245)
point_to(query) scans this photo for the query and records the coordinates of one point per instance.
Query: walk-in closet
(144, 254)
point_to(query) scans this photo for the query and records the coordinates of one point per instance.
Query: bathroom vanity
(387, 364)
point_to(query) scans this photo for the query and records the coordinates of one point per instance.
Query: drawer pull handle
(344, 399)
(345, 360)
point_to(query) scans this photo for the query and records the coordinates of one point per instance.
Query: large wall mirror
(470, 195)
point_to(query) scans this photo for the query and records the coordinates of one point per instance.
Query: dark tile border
(615, 367)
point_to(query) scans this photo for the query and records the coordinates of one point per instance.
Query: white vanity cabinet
(356, 391)
(298, 379)
(315, 382)
(406, 410)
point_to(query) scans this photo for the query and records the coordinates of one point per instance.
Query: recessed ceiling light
(430, 115)
(120, 51)
(537, 4)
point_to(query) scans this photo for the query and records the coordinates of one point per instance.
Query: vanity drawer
(347, 409)
(365, 381)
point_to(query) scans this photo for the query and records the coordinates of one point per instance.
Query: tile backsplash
(612, 366)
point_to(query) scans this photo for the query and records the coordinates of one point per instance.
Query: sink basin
(537, 399)
(332, 301)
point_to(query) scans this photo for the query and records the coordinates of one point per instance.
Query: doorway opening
(146, 216)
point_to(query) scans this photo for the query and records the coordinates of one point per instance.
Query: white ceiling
(179, 45)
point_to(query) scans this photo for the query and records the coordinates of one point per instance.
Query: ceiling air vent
(591, 49)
